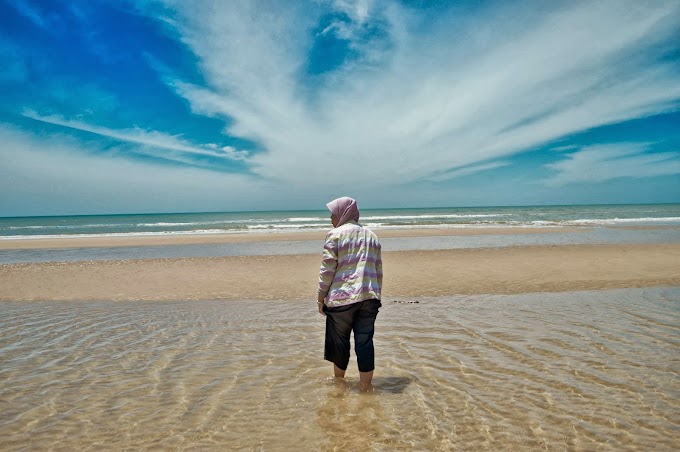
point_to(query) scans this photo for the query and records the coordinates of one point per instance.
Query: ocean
(313, 220)
(604, 224)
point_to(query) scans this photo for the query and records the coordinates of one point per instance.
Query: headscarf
(345, 209)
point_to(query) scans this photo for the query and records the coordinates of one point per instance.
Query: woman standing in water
(349, 289)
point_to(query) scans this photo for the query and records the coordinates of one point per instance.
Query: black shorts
(340, 322)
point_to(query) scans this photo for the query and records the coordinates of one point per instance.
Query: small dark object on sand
(406, 302)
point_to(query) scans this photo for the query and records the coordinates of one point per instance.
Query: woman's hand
(319, 303)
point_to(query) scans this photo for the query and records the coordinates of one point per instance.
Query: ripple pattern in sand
(569, 371)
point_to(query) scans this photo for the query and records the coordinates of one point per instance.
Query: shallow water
(566, 371)
(584, 236)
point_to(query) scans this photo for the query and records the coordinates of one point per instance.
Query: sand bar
(9, 243)
(408, 274)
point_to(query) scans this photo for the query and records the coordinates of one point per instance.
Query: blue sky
(174, 106)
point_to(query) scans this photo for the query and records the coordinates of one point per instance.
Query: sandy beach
(408, 274)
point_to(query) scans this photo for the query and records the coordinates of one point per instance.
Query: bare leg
(365, 379)
(339, 373)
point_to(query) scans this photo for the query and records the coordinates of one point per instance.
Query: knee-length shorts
(340, 322)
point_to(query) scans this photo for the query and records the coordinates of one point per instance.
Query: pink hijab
(345, 209)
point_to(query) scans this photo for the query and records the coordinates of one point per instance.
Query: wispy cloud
(27, 10)
(465, 92)
(147, 138)
(568, 147)
(354, 15)
(44, 174)
(467, 171)
(603, 162)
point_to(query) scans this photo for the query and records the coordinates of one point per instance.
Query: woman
(349, 289)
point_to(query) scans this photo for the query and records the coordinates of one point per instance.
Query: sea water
(548, 371)
(286, 221)
(571, 224)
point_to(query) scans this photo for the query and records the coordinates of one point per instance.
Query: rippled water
(568, 371)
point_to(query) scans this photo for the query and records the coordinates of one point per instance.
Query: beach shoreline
(408, 274)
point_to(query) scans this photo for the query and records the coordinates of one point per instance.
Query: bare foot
(365, 379)
(339, 373)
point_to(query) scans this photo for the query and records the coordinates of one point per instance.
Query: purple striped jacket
(351, 267)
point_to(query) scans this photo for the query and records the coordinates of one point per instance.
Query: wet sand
(511, 270)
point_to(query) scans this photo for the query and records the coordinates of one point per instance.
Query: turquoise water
(283, 221)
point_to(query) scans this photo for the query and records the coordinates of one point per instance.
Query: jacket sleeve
(329, 263)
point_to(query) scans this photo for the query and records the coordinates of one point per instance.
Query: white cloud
(357, 10)
(594, 164)
(469, 90)
(147, 138)
(358, 13)
(55, 174)
(467, 171)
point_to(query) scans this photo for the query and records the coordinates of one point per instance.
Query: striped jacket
(351, 268)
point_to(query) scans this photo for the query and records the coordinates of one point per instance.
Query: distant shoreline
(313, 211)
(161, 229)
